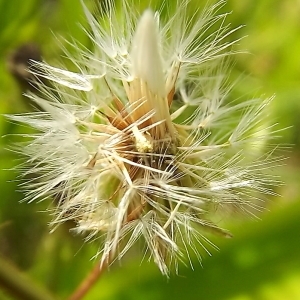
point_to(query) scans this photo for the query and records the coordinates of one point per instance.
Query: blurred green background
(261, 262)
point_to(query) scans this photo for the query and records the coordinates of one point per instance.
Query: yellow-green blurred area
(261, 262)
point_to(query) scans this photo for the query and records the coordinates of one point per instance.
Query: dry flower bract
(142, 142)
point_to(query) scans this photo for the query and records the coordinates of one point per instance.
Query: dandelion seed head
(142, 142)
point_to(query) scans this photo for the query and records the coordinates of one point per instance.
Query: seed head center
(143, 141)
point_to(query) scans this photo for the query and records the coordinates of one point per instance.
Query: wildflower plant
(143, 142)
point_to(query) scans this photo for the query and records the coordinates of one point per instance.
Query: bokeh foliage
(262, 261)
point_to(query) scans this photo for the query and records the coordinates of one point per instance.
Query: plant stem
(89, 281)
(19, 285)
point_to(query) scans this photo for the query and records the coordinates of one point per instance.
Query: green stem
(19, 285)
